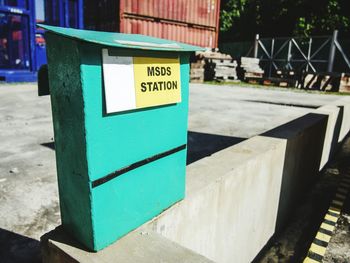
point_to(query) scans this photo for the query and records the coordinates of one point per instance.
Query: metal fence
(314, 54)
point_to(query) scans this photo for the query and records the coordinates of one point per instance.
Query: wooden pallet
(344, 83)
(279, 82)
(196, 80)
(251, 69)
(213, 66)
(226, 79)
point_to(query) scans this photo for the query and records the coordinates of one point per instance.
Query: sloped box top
(120, 40)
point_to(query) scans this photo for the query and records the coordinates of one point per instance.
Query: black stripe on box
(138, 164)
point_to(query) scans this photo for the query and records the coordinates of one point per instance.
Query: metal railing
(315, 54)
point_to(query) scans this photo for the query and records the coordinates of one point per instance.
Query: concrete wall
(239, 197)
(231, 202)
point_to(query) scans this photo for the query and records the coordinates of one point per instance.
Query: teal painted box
(120, 152)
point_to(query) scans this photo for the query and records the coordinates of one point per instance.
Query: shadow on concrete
(283, 104)
(335, 144)
(15, 248)
(305, 138)
(200, 145)
(61, 236)
(50, 145)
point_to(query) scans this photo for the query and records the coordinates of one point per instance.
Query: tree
(242, 19)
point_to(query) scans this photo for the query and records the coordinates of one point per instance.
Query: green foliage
(242, 19)
(234, 10)
(302, 28)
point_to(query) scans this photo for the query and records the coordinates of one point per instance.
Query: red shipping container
(194, 22)
(196, 12)
(177, 32)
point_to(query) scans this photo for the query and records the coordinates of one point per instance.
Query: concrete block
(136, 247)
(231, 202)
(305, 138)
(332, 131)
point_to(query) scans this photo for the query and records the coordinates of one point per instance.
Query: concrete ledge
(231, 202)
(136, 247)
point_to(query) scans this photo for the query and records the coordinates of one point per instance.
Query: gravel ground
(339, 246)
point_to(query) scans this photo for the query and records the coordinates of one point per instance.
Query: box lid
(120, 40)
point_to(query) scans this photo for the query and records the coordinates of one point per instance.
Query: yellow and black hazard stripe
(318, 247)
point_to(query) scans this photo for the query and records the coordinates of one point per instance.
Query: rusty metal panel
(178, 32)
(197, 12)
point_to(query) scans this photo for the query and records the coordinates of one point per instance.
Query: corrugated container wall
(193, 21)
(197, 12)
(177, 32)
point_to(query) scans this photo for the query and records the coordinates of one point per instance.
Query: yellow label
(157, 81)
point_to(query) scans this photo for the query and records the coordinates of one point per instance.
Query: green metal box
(120, 106)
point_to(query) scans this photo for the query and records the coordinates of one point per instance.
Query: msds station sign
(140, 82)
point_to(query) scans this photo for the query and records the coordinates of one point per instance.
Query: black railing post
(289, 55)
(272, 54)
(332, 51)
(309, 54)
(256, 45)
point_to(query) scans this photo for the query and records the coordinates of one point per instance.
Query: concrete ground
(220, 116)
(244, 112)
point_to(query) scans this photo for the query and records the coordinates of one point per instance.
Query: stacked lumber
(251, 69)
(284, 78)
(213, 65)
(344, 83)
(225, 70)
(197, 71)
